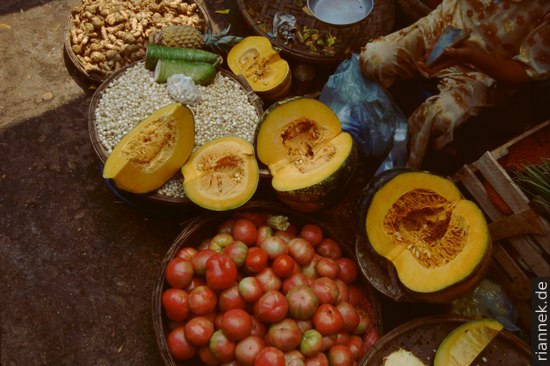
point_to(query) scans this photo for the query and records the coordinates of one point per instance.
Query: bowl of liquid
(340, 12)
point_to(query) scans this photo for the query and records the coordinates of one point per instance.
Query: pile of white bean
(133, 96)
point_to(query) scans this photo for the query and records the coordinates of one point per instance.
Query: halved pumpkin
(222, 174)
(309, 156)
(149, 155)
(433, 236)
(263, 68)
(462, 345)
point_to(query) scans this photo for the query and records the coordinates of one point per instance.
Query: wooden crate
(521, 239)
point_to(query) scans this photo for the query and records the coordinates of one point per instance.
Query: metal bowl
(340, 12)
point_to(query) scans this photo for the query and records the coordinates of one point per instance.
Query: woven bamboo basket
(102, 154)
(205, 226)
(423, 336)
(95, 77)
(259, 17)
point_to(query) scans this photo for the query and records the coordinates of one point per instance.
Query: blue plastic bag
(368, 113)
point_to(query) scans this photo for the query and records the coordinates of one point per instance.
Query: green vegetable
(202, 73)
(534, 180)
(157, 52)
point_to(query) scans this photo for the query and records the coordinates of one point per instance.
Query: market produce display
(261, 65)
(222, 174)
(149, 155)
(185, 36)
(106, 35)
(221, 108)
(309, 156)
(261, 287)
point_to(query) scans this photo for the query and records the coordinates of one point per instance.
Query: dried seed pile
(224, 110)
(106, 35)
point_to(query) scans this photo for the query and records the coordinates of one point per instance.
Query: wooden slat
(521, 223)
(502, 150)
(516, 278)
(502, 183)
(530, 255)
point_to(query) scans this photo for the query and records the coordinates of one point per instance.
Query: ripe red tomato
(259, 329)
(326, 290)
(294, 358)
(301, 250)
(222, 348)
(199, 262)
(271, 307)
(340, 355)
(237, 251)
(312, 233)
(236, 324)
(187, 253)
(297, 279)
(342, 338)
(328, 320)
(319, 359)
(354, 343)
(302, 302)
(269, 280)
(226, 226)
(327, 267)
(283, 234)
(356, 295)
(284, 335)
(176, 304)
(247, 350)
(250, 288)
(198, 331)
(270, 356)
(202, 300)
(283, 266)
(309, 269)
(244, 230)
(179, 346)
(343, 291)
(195, 282)
(350, 316)
(364, 321)
(274, 246)
(221, 272)
(370, 338)
(311, 343)
(230, 298)
(207, 357)
(256, 260)
(179, 272)
(348, 270)
(304, 325)
(329, 248)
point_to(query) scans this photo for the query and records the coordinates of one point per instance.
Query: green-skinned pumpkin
(434, 237)
(149, 155)
(222, 174)
(310, 158)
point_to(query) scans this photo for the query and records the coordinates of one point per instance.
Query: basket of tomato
(262, 285)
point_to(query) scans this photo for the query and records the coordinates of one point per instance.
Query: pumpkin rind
(462, 345)
(149, 155)
(308, 155)
(255, 59)
(434, 238)
(222, 174)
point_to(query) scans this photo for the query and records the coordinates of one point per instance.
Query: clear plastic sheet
(368, 113)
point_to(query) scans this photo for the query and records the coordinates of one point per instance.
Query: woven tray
(259, 16)
(204, 226)
(96, 77)
(422, 337)
(102, 153)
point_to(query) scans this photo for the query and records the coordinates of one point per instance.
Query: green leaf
(223, 11)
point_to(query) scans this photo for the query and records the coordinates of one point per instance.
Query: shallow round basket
(205, 226)
(102, 154)
(96, 77)
(381, 273)
(259, 16)
(423, 336)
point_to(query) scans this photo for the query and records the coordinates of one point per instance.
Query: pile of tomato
(262, 291)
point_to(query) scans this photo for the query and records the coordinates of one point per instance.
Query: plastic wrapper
(284, 26)
(487, 300)
(183, 89)
(368, 113)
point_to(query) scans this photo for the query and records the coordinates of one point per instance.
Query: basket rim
(195, 225)
(101, 153)
(94, 77)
